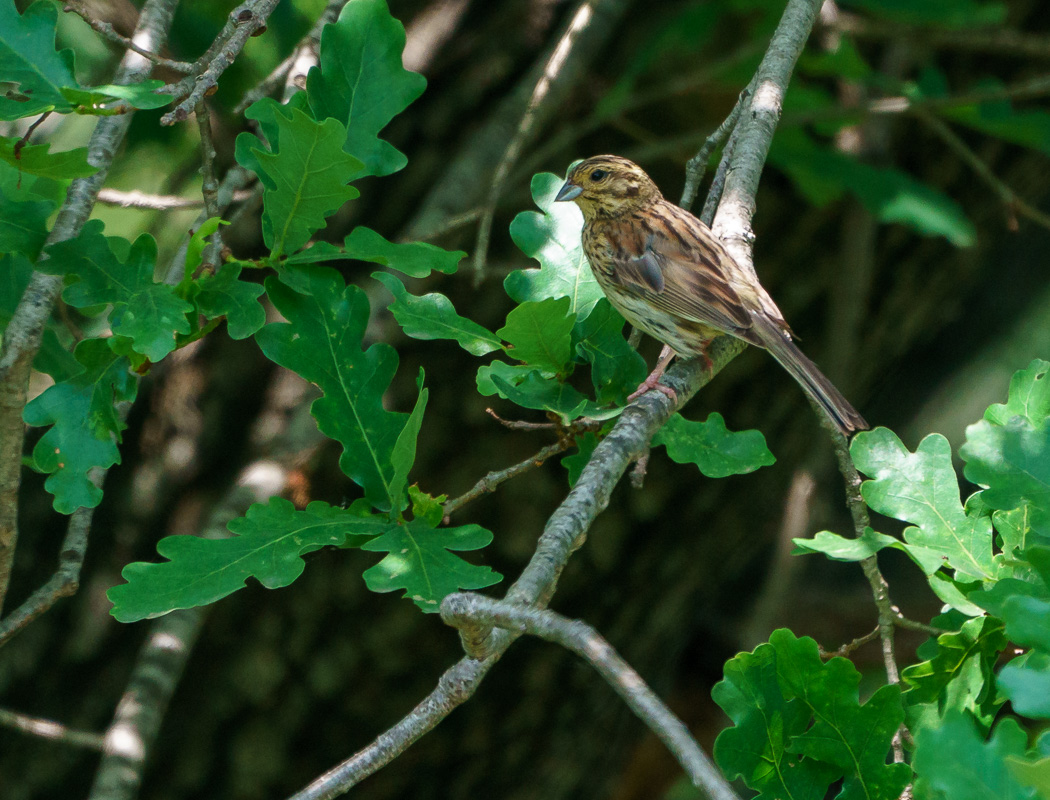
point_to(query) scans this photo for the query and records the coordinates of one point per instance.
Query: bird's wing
(665, 257)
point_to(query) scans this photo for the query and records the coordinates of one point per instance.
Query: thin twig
(697, 165)
(467, 611)
(1027, 89)
(718, 183)
(902, 621)
(997, 41)
(107, 31)
(24, 332)
(209, 186)
(1013, 204)
(520, 425)
(849, 647)
(244, 22)
(156, 202)
(48, 729)
(496, 477)
(580, 20)
(283, 71)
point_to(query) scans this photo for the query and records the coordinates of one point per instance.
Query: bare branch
(106, 30)
(23, 334)
(466, 611)
(496, 477)
(48, 729)
(849, 647)
(244, 22)
(1013, 204)
(141, 709)
(580, 21)
(697, 165)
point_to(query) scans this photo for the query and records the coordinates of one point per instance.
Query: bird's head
(608, 186)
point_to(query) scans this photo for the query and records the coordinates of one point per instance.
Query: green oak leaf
(547, 394)
(85, 426)
(308, 174)
(45, 78)
(268, 544)
(616, 368)
(1023, 605)
(958, 677)
(766, 720)
(513, 374)
(823, 175)
(552, 238)
(415, 259)
(540, 333)
(851, 737)
(53, 357)
(922, 488)
(322, 343)
(420, 561)
(36, 159)
(1028, 397)
(716, 451)
(575, 462)
(23, 224)
(222, 294)
(361, 82)
(433, 317)
(403, 455)
(148, 313)
(842, 548)
(1013, 461)
(1025, 682)
(427, 507)
(954, 762)
(29, 60)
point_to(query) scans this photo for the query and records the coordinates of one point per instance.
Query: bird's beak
(570, 191)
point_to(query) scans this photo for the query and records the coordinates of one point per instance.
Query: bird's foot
(653, 382)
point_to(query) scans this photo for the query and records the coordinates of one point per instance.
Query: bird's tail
(810, 378)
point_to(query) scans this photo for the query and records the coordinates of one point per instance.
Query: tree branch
(540, 94)
(245, 21)
(466, 611)
(48, 729)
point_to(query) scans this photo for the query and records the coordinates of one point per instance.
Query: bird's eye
(598, 175)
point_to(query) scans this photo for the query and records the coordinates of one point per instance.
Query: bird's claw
(648, 385)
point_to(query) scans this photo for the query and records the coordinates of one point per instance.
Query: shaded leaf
(420, 561)
(268, 545)
(415, 259)
(548, 394)
(716, 451)
(954, 762)
(403, 455)
(540, 333)
(148, 313)
(307, 175)
(223, 294)
(575, 462)
(823, 175)
(433, 317)
(85, 425)
(1025, 682)
(1029, 396)
(616, 368)
(36, 159)
(322, 343)
(360, 81)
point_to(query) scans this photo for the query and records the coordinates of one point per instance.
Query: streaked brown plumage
(668, 274)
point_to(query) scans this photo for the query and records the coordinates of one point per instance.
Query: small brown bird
(669, 275)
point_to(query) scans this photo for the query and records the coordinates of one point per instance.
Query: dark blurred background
(922, 334)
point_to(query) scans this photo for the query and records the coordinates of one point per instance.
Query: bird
(669, 275)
